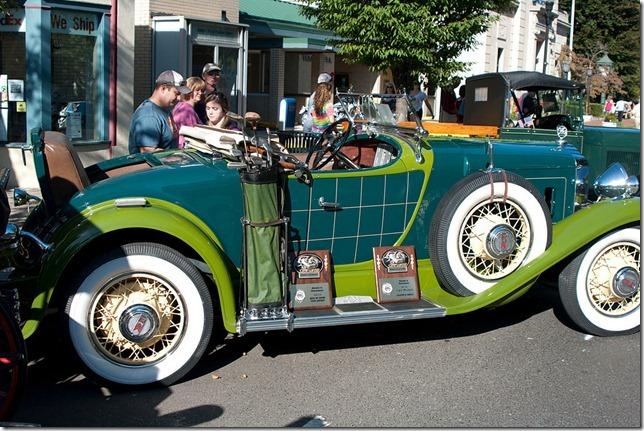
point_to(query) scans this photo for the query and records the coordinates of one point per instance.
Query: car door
(350, 212)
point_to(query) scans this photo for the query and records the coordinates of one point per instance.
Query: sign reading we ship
(67, 22)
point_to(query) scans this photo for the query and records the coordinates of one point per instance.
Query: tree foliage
(408, 36)
(5, 5)
(615, 27)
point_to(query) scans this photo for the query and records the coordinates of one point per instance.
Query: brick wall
(209, 10)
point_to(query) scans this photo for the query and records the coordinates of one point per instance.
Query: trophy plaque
(396, 274)
(311, 282)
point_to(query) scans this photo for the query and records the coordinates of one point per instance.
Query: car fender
(156, 215)
(568, 236)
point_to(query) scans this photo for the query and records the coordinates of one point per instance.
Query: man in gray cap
(211, 74)
(152, 127)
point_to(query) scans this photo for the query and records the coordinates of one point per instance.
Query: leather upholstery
(65, 171)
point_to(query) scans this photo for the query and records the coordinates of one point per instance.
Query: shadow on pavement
(537, 300)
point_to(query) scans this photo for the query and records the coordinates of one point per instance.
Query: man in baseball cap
(152, 127)
(174, 79)
(211, 74)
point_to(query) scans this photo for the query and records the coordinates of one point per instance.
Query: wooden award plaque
(396, 274)
(311, 285)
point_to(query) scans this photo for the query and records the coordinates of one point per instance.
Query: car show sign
(311, 282)
(396, 274)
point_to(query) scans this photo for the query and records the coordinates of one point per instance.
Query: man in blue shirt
(152, 127)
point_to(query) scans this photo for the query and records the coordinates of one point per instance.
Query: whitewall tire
(140, 314)
(600, 288)
(486, 227)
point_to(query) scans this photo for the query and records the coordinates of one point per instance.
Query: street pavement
(522, 365)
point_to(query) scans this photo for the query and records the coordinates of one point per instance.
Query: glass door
(228, 59)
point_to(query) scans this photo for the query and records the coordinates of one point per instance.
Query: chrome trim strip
(130, 202)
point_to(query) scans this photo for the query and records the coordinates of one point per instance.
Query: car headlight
(615, 183)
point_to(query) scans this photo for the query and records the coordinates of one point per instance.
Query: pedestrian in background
(460, 104)
(620, 109)
(211, 74)
(390, 101)
(322, 107)
(152, 127)
(636, 114)
(608, 106)
(184, 113)
(418, 97)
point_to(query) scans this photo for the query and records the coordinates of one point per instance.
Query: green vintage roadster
(146, 254)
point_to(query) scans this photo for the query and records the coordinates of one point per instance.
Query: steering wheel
(328, 142)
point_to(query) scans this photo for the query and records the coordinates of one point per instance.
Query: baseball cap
(324, 77)
(170, 77)
(209, 67)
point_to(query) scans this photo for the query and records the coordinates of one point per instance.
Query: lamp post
(589, 73)
(565, 67)
(548, 5)
(605, 65)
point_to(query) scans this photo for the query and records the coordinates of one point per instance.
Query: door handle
(333, 206)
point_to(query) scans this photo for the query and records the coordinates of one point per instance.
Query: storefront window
(13, 116)
(258, 71)
(76, 71)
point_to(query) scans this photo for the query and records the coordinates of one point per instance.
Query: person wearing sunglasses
(211, 74)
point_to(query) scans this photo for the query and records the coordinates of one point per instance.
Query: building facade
(516, 41)
(55, 74)
(287, 52)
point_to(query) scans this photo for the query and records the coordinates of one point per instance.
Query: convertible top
(524, 80)
(486, 95)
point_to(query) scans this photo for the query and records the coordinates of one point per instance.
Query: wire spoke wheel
(475, 237)
(600, 288)
(139, 314)
(137, 319)
(602, 292)
(486, 227)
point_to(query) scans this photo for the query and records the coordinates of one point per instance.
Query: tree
(5, 5)
(410, 37)
(616, 25)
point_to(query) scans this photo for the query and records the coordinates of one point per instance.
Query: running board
(345, 314)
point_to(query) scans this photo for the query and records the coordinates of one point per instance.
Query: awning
(279, 24)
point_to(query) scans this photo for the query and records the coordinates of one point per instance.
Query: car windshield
(545, 103)
(379, 109)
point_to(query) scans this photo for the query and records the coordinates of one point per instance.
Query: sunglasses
(214, 73)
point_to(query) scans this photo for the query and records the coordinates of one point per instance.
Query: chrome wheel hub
(139, 323)
(500, 242)
(626, 282)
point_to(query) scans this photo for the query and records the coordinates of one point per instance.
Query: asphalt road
(522, 365)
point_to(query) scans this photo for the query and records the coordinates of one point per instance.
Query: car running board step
(345, 314)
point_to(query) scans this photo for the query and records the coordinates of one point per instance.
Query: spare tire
(484, 228)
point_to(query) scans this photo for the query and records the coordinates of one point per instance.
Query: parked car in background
(491, 109)
(144, 256)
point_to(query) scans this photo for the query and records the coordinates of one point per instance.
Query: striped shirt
(321, 120)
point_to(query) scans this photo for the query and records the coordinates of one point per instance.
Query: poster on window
(16, 89)
(73, 122)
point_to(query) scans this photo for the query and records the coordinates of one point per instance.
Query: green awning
(279, 24)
